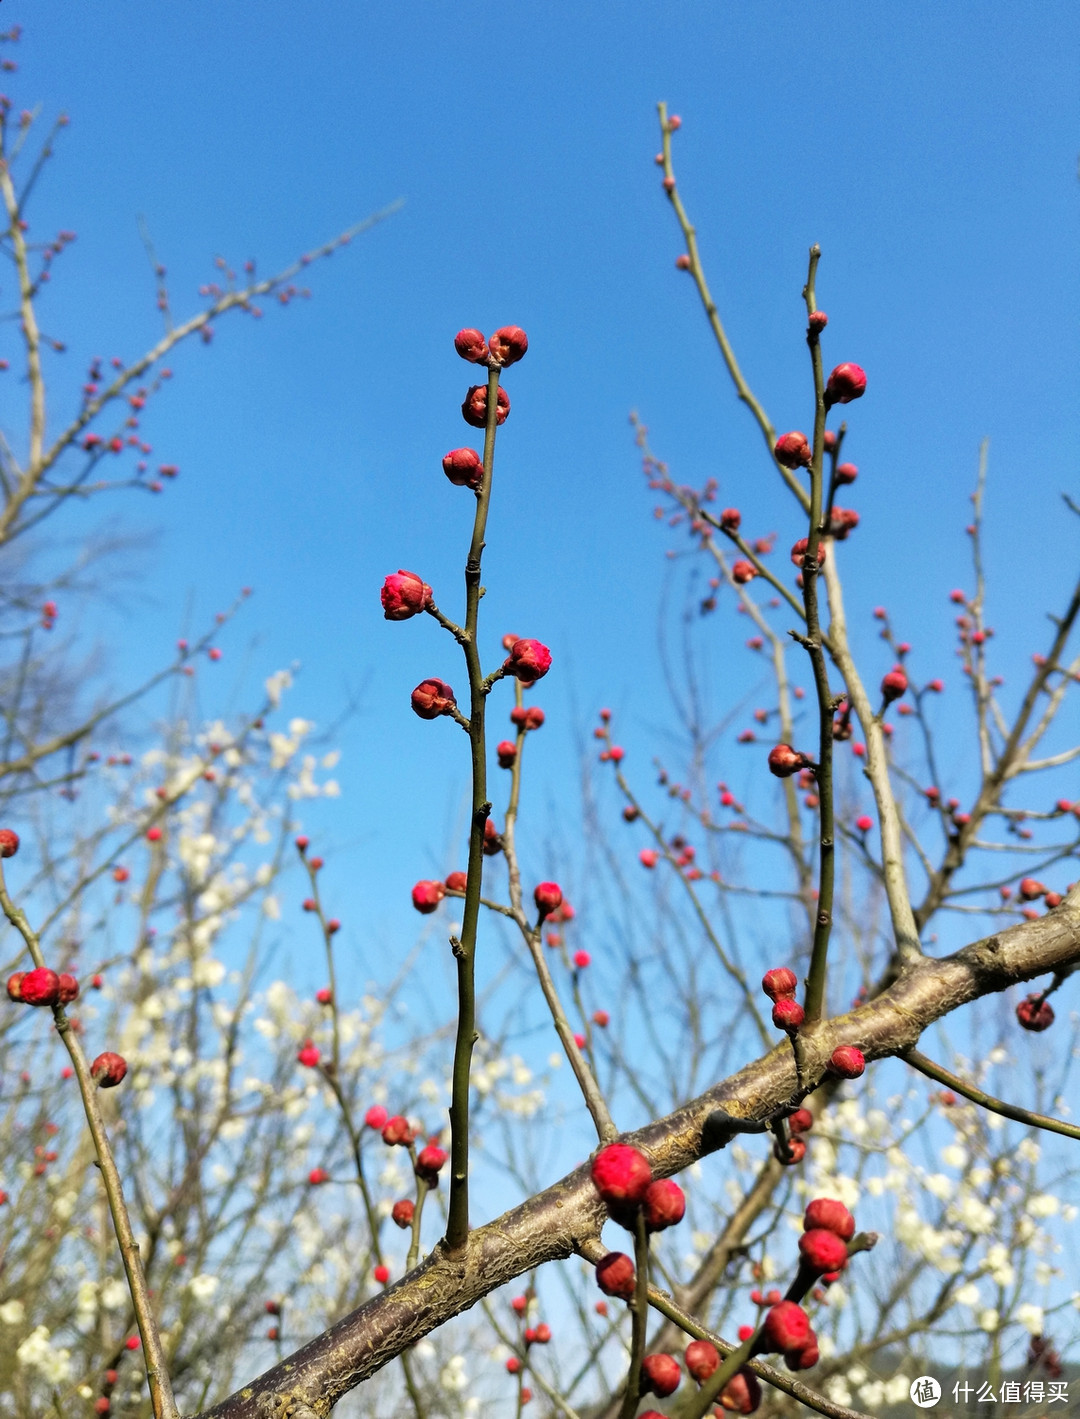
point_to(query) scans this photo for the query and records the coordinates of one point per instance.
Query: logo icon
(925, 1392)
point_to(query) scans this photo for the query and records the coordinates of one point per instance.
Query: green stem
(641, 1318)
(977, 1096)
(815, 985)
(457, 1226)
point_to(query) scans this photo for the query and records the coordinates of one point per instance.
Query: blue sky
(931, 151)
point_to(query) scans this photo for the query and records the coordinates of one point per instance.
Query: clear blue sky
(931, 150)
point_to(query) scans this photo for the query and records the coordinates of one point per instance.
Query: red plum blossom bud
(493, 842)
(843, 521)
(317, 1176)
(528, 718)
(822, 1250)
(426, 896)
(742, 1393)
(846, 472)
(805, 1358)
(682, 262)
(432, 698)
(664, 1203)
(381, 1274)
(702, 1358)
(730, 519)
(648, 857)
(779, 983)
(847, 1061)
(801, 1121)
(847, 382)
(40, 987)
(376, 1117)
(894, 684)
(9, 842)
(1031, 889)
(464, 467)
(528, 661)
(615, 1275)
(402, 1212)
(14, 985)
(864, 823)
(69, 988)
(507, 753)
(786, 1327)
(818, 321)
(660, 1374)
(830, 1214)
(742, 572)
(474, 406)
(430, 1159)
(108, 1070)
(396, 1131)
(308, 1055)
(1033, 1013)
(799, 550)
(548, 896)
(788, 1014)
(457, 881)
(621, 1174)
(793, 1153)
(404, 594)
(785, 761)
(471, 346)
(508, 345)
(792, 450)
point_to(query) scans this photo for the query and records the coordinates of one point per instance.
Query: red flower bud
(621, 1174)
(864, 823)
(660, 1374)
(471, 346)
(792, 450)
(847, 1061)
(396, 1131)
(324, 996)
(788, 1014)
(432, 698)
(108, 1070)
(615, 1274)
(69, 988)
(40, 987)
(847, 382)
(493, 843)
(779, 982)
(548, 896)
(805, 1358)
(894, 684)
(528, 660)
(1031, 1014)
(508, 345)
(648, 857)
(664, 1203)
(381, 1274)
(272, 1308)
(519, 1305)
(801, 1121)
(317, 1176)
(818, 321)
(827, 1212)
(786, 1327)
(799, 550)
(513, 1365)
(14, 985)
(543, 1333)
(794, 1153)
(742, 1393)
(507, 753)
(742, 572)
(822, 1250)
(785, 761)
(426, 896)
(430, 1159)
(308, 1055)
(682, 262)
(1030, 889)
(9, 842)
(843, 521)
(457, 881)
(702, 1358)
(474, 406)
(404, 594)
(464, 467)
(528, 718)
(376, 1117)
(846, 472)
(730, 519)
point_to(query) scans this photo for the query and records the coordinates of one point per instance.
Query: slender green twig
(640, 1318)
(987, 1101)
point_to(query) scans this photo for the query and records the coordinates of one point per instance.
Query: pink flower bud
(308, 1055)
(894, 684)
(396, 1131)
(792, 450)
(847, 1061)
(621, 1174)
(864, 823)
(822, 1250)
(615, 1275)
(779, 983)
(507, 754)
(801, 1121)
(464, 467)
(402, 1212)
(108, 1070)
(474, 406)
(581, 959)
(40, 987)
(9, 842)
(381, 1274)
(528, 661)
(531, 717)
(731, 519)
(1035, 1014)
(426, 896)
(847, 382)
(786, 1327)
(430, 1159)
(317, 1176)
(432, 698)
(799, 550)
(830, 1214)
(457, 881)
(785, 761)
(788, 1014)
(519, 1305)
(376, 1117)
(818, 321)
(508, 345)
(846, 472)
(843, 521)
(660, 1374)
(648, 857)
(742, 1393)
(664, 1204)
(324, 996)
(702, 1358)
(682, 262)
(1031, 889)
(742, 572)
(404, 594)
(471, 346)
